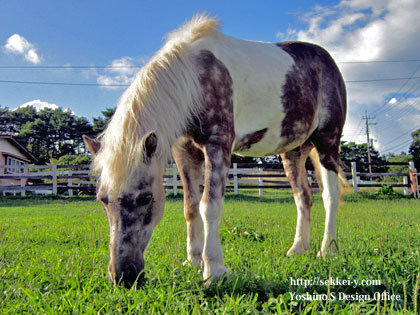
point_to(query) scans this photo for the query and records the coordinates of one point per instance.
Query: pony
(201, 97)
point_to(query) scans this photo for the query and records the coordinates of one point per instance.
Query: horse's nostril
(130, 275)
(131, 272)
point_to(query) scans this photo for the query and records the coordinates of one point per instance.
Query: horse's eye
(144, 199)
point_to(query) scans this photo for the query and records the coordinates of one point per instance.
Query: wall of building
(6, 146)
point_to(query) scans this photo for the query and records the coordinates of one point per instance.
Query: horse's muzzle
(127, 274)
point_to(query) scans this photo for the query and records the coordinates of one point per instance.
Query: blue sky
(127, 33)
(98, 32)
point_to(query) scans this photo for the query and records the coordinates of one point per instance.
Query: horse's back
(276, 91)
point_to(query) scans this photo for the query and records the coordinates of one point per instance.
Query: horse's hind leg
(328, 151)
(189, 160)
(294, 165)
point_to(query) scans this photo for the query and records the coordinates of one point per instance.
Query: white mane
(163, 97)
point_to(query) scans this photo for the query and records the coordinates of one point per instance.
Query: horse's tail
(317, 165)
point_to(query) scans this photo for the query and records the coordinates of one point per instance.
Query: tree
(48, 133)
(81, 127)
(358, 153)
(6, 121)
(35, 135)
(74, 159)
(99, 123)
(401, 158)
(415, 148)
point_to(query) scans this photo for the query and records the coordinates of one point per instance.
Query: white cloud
(392, 101)
(119, 72)
(372, 30)
(288, 35)
(39, 105)
(19, 45)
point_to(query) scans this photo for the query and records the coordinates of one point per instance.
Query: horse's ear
(92, 144)
(150, 144)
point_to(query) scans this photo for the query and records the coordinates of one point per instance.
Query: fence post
(261, 183)
(235, 178)
(355, 179)
(54, 179)
(407, 183)
(70, 183)
(166, 181)
(22, 187)
(414, 180)
(310, 178)
(174, 179)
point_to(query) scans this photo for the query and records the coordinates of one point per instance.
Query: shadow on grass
(32, 200)
(263, 289)
(271, 197)
(362, 196)
(284, 198)
(247, 198)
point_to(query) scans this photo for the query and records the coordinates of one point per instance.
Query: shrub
(387, 192)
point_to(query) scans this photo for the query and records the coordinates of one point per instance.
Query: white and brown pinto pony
(203, 96)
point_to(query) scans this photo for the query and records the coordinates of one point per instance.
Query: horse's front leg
(217, 159)
(189, 160)
(294, 165)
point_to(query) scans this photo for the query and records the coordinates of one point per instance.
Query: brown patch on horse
(249, 139)
(328, 146)
(300, 92)
(127, 203)
(215, 123)
(213, 130)
(294, 166)
(189, 159)
(314, 84)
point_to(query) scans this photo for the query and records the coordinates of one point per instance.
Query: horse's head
(132, 214)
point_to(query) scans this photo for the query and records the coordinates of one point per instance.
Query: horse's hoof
(326, 253)
(196, 262)
(321, 254)
(328, 250)
(296, 250)
(217, 273)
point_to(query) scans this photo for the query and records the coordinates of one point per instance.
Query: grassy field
(54, 255)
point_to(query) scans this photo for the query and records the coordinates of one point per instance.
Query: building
(13, 153)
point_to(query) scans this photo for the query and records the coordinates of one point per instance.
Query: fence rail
(69, 179)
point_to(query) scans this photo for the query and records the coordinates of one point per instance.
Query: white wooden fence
(45, 179)
(70, 179)
(410, 179)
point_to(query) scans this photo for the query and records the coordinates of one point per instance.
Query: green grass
(54, 255)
